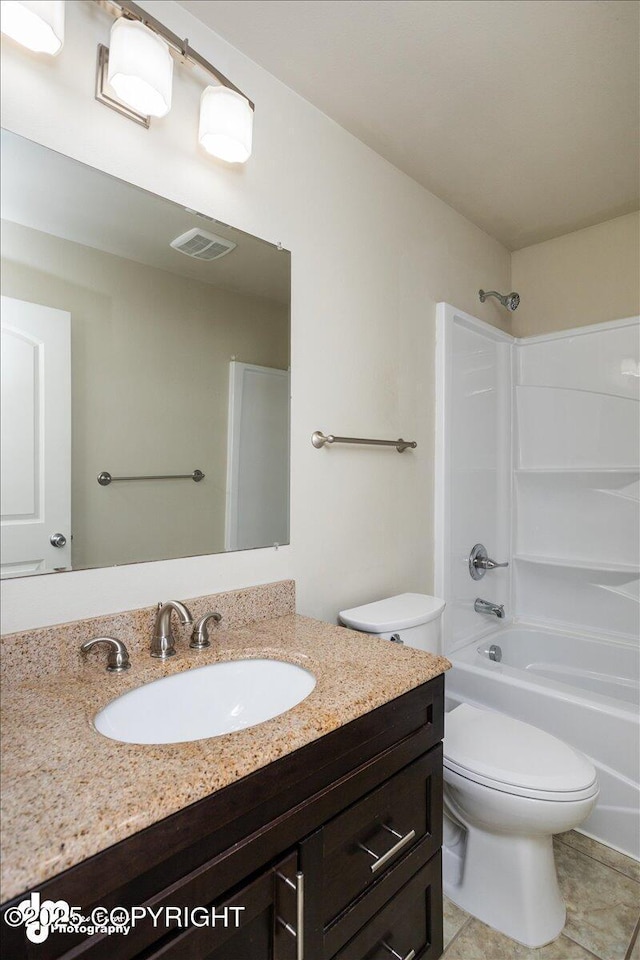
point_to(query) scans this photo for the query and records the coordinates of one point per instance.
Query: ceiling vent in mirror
(202, 245)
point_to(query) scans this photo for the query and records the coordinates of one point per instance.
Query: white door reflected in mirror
(35, 481)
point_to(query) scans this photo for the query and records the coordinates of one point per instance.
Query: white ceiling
(521, 114)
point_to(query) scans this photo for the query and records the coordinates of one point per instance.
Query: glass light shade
(140, 68)
(36, 24)
(226, 124)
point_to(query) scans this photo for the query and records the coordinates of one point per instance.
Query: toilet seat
(528, 792)
(513, 757)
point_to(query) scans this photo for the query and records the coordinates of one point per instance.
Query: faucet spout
(486, 606)
(163, 640)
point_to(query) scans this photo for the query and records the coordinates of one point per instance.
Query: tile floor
(602, 891)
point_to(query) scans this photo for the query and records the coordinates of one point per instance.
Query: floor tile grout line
(584, 853)
(563, 933)
(590, 953)
(632, 943)
(601, 862)
(457, 933)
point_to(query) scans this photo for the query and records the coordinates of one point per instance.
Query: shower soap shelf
(579, 471)
(631, 568)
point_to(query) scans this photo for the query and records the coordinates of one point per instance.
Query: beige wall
(585, 277)
(372, 253)
(150, 355)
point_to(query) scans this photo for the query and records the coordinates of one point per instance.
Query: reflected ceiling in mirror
(145, 341)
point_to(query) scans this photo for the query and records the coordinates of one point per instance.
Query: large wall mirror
(143, 346)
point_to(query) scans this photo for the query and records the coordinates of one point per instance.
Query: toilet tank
(411, 618)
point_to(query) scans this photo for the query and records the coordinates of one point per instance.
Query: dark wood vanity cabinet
(267, 904)
(341, 838)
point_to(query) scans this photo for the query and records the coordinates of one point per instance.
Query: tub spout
(486, 606)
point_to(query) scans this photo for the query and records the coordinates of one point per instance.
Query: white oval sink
(205, 702)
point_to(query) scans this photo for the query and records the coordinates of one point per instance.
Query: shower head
(510, 301)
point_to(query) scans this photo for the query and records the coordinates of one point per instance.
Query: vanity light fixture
(140, 68)
(35, 24)
(226, 124)
(134, 77)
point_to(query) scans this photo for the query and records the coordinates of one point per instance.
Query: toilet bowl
(508, 787)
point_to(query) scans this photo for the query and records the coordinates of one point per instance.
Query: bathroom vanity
(331, 846)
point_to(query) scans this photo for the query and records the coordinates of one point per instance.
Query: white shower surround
(553, 488)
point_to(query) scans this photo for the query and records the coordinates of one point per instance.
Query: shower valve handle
(489, 564)
(480, 562)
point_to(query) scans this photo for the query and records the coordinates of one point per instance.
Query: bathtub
(584, 690)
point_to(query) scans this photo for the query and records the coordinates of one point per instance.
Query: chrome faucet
(118, 657)
(486, 606)
(163, 640)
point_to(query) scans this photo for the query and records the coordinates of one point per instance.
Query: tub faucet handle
(480, 562)
(489, 564)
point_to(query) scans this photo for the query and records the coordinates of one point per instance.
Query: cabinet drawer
(359, 845)
(409, 926)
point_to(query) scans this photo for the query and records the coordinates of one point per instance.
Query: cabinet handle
(296, 932)
(380, 861)
(409, 956)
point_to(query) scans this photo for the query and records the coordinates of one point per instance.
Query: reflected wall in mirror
(123, 353)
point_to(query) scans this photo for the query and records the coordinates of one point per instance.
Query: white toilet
(508, 787)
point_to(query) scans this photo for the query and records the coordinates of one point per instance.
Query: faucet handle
(480, 562)
(200, 635)
(118, 658)
(490, 564)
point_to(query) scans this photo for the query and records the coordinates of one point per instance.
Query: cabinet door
(265, 929)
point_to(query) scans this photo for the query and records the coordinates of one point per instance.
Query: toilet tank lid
(395, 613)
(506, 751)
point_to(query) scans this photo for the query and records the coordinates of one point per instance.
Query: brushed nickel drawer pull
(297, 934)
(402, 842)
(409, 956)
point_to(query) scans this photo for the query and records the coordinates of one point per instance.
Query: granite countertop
(69, 792)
